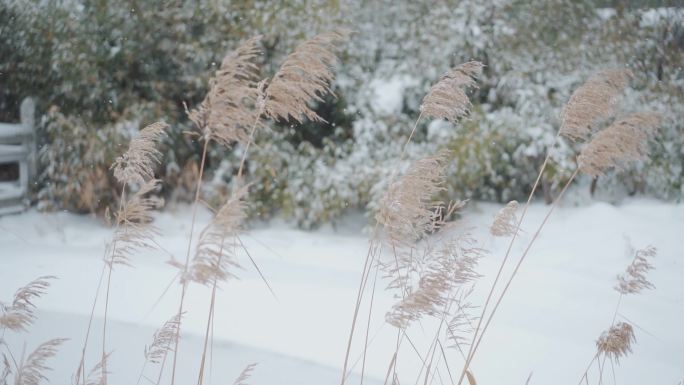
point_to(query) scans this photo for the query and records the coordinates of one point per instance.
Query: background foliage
(100, 70)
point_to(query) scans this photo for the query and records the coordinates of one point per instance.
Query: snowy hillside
(547, 325)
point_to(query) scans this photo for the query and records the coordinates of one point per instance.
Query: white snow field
(558, 305)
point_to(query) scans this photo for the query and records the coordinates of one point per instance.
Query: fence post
(27, 113)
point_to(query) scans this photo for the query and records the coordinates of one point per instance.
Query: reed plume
(135, 230)
(162, 340)
(214, 254)
(31, 371)
(593, 102)
(633, 281)
(228, 110)
(461, 321)
(447, 99)
(304, 78)
(19, 315)
(96, 375)
(623, 141)
(407, 210)
(505, 222)
(136, 165)
(616, 342)
(445, 271)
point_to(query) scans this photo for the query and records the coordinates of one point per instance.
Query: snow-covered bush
(75, 175)
(94, 60)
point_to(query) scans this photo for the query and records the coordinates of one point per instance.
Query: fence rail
(17, 160)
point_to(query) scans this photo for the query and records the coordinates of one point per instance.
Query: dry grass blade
(136, 165)
(6, 371)
(408, 211)
(304, 77)
(18, 315)
(625, 140)
(162, 341)
(617, 341)
(593, 102)
(505, 223)
(634, 279)
(228, 111)
(31, 371)
(214, 254)
(134, 228)
(447, 99)
(245, 375)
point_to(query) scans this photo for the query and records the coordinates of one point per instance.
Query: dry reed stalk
(477, 340)
(542, 168)
(133, 230)
(80, 371)
(578, 120)
(304, 77)
(629, 142)
(370, 312)
(616, 342)
(439, 105)
(6, 371)
(576, 113)
(214, 258)
(223, 116)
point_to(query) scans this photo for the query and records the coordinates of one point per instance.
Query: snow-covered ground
(547, 325)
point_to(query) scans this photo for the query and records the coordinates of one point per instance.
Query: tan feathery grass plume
(162, 341)
(135, 230)
(633, 281)
(245, 375)
(447, 99)
(593, 102)
(96, 376)
(228, 110)
(625, 140)
(31, 371)
(137, 164)
(304, 77)
(448, 270)
(214, 254)
(19, 315)
(505, 223)
(408, 211)
(616, 342)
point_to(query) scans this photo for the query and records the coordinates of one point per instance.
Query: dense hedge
(102, 69)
